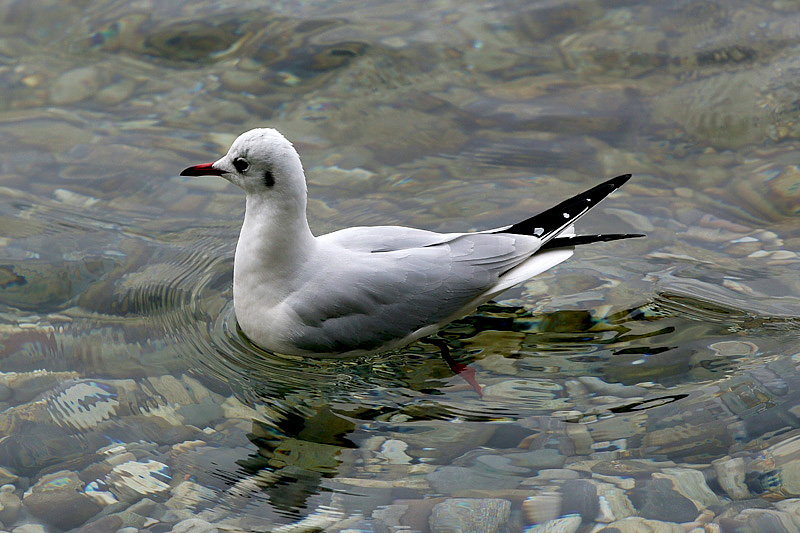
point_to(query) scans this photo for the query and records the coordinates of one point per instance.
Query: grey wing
(383, 297)
(384, 238)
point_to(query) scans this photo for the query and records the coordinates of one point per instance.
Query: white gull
(369, 289)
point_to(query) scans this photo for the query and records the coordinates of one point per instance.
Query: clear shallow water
(129, 398)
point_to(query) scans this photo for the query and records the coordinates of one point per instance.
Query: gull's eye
(241, 164)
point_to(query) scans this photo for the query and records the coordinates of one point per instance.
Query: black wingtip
(553, 221)
(620, 180)
(577, 240)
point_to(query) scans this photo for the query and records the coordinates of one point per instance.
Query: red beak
(202, 170)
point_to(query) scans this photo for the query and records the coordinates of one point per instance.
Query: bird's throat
(274, 245)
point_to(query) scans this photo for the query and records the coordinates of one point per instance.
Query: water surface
(652, 379)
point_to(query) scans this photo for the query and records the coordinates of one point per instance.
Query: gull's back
(377, 288)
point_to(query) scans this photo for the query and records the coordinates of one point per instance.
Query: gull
(369, 289)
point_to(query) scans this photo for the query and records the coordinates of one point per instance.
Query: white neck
(274, 244)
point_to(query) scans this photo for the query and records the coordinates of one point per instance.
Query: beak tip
(206, 169)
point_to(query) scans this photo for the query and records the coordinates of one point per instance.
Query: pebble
(635, 524)
(390, 515)
(500, 463)
(188, 495)
(393, 451)
(542, 507)
(115, 93)
(579, 496)
(792, 508)
(660, 501)
(601, 388)
(7, 477)
(635, 220)
(547, 474)
(470, 514)
(532, 391)
(565, 524)
(55, 492)
(29, 528)
(450, 479)
(9, 504)
(614, 504)
(545, 458)
(692, 484)
(135, 479)
(74, 86)
(730, 475)
(767, 521)
(194, 525)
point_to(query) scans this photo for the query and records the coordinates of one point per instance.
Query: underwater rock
(659, 500)
(565, 524)
(188, 494)
(194, 525)
(635, 524)
(692, 484)
(9, 504)
(542, 507)
(58, 499)
(451, 479)
(731, 474)
(75, 85)
(133, 479)
(470, 514)
(614, 504)
(579, 496)
(767, 520)
(545, 458)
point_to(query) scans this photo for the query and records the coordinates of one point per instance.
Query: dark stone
(449, 479)
(766, 523)
(58, 500)
(579, 496)
(660, 501)
(625, 467)
(729, 525)
(143, 507)
(103, 525)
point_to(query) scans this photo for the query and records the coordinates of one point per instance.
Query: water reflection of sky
(129, 398)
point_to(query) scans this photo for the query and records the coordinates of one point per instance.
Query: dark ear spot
(269, 179)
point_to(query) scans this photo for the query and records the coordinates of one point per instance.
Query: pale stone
(487, 515)
(171, 389)
(188, 495)
(74, 85)
(9, 504)
(614, 504)
(635, 220)
(393, 452)
(390, 515)
(692, 484)
(135, 479)
(542, 507)
(194, 525)
(730, 474)
(565, 524)
(792, 508)
(28, 528)
(635, 524)
(757, 517)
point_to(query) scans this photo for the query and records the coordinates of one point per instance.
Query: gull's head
(260, 161)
